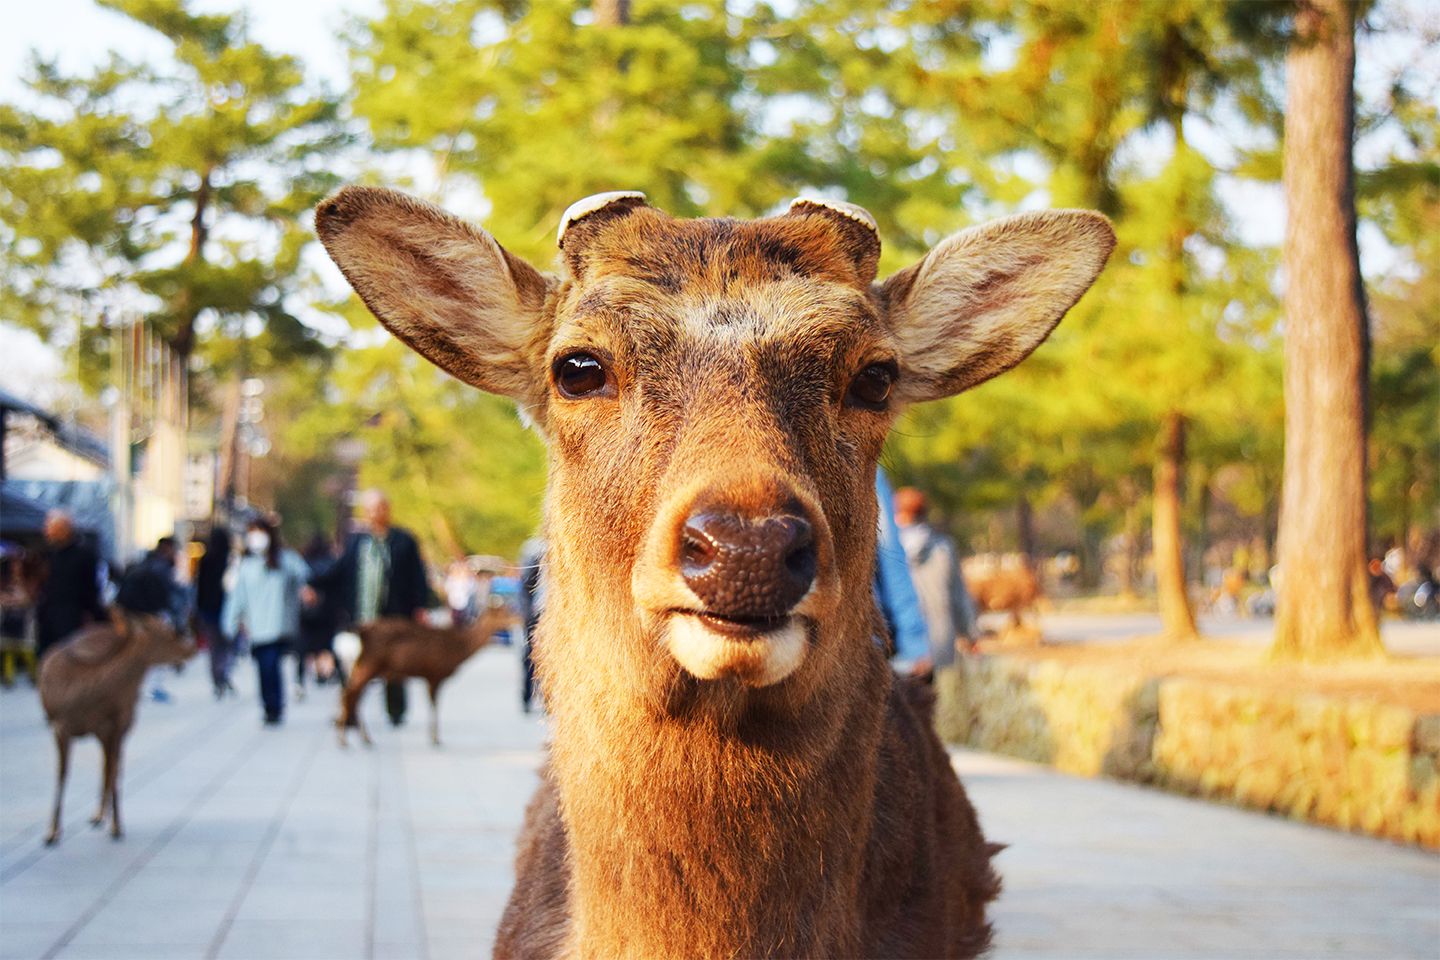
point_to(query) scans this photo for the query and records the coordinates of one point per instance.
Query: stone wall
(1355, 764)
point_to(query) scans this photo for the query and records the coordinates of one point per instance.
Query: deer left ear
(984, 298)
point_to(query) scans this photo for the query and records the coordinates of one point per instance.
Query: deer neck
(707, 827)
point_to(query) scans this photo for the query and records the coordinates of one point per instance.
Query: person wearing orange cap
(935, 570)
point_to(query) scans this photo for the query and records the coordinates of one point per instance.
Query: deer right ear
(445, 288)
(984, 298)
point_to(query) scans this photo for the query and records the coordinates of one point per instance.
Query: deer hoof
(52, 838)
(117, 834)
(97, 820)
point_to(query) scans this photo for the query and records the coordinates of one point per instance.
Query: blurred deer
(395, 649)
(89, 685)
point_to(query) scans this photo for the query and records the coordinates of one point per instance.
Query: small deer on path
(89, 685)
(395, 649)
(734, 770)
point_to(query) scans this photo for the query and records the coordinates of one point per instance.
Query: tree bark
(187, 310)
(1130, 569)
(1025, 529)
(611, 13)
(1177, 620)
(1324, 610)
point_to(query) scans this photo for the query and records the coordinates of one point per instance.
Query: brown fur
(89, 686)
(394, 649)
(1015, 590)
(817, 815)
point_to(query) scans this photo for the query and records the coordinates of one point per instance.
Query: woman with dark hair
(318, 620)
(209, 602)
(265, 603)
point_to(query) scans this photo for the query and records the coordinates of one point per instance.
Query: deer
(394, 649)
(1005, 586)
(734, 768)
(89, 685)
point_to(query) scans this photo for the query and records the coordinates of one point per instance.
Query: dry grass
(1413, 682)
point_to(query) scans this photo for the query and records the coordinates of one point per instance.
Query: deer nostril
(697, 550)
(747, 568)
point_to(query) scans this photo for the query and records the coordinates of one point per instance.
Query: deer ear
(447, 289)
(984, 298)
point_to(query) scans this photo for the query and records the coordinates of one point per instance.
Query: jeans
(220, 647)
(272, 689)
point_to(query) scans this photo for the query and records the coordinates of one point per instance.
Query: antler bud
(581, 209)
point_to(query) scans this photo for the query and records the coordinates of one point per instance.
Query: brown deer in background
(394, 649)
(734, 770)
(89, 686)
(1005, 584)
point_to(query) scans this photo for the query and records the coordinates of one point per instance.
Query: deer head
(715, 394)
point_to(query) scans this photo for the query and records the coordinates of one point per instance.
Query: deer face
(715, 394)
(163, 643)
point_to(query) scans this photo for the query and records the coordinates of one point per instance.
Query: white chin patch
(755, 661)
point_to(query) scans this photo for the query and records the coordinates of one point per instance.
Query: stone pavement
(253, 843)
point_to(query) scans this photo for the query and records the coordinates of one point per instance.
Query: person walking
(895, 592)
(265, 603)
(319, 619)
(381, 574)
(69, 594)
(209, 603)
(152, 585)
(935, 570)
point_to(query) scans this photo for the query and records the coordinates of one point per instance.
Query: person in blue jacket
(265, 602)
(895, 591)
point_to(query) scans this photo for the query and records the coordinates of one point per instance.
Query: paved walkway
(261, 844)
(1411, 638)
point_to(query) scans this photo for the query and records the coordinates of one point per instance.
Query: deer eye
(871, 386)
(581, 375)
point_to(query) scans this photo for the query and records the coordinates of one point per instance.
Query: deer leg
(435, 712)
(112, 781)
(62, 747)
(104, 807)
(350, 702)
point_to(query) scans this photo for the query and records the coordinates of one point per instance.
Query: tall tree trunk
(1178, 622)
(228, 475)
(186, 309)
(1130, 568)
(1324, 603)
(611, 13)
(1025, 529)
(1200, 542)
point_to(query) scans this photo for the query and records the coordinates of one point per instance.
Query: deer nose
(747, 568)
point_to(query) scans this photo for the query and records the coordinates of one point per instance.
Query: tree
(1324, 609)
(461, 469)
(179, 190)
(541, 104)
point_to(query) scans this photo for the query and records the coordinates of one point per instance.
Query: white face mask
(257, 541)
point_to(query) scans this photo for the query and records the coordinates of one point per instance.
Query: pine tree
(179, 190)
(1324, 607)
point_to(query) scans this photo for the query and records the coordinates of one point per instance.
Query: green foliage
(934, 116)
(461, 470)
(178, 189)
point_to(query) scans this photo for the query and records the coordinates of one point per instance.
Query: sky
(80, 34)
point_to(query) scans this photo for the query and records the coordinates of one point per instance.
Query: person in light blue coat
(895, 591)
(265, 603)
